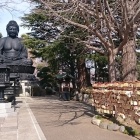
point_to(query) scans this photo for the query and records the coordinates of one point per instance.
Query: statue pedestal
(5, 109)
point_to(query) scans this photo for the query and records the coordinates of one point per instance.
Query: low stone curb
(109, 126)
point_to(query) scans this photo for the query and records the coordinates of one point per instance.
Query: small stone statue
(12, 51)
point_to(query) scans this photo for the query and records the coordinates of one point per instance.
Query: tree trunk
(111, 61)
(88, 79)
(129, 61)
(72, 69)
(81, 73)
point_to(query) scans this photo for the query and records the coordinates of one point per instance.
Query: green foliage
(61, 52)
(99, 117)
(101, 66)
(138, 44)
(58, 56)
(100, 59)
(138, 65)
(40, 66)
(131, 131)
(42, 26)
(47, 79)
(33, 44)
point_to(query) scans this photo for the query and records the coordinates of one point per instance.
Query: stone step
(8, 114)
(5, 105)
(2, 121)
(10, 119)
(10, 123)
(8, 135)
(7, 110)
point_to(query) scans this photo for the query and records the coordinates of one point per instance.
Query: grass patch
(131, 131)
(98, 117)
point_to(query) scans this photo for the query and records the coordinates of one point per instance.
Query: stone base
(27, 88)
(8, 114)
(3, 101)
(6, 109)
(5, 105)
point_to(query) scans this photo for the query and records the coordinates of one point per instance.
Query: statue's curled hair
(12, 23)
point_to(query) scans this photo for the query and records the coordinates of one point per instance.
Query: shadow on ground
(59, 113)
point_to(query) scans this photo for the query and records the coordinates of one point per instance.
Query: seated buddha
(12, 51)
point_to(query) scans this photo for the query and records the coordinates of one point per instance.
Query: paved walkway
(69, 120)
(51, 119)
(20, 125)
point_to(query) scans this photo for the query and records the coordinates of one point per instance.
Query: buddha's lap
(18, 61)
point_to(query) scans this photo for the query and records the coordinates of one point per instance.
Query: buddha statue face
(12, 29)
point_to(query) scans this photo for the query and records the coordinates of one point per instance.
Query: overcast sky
(20, 8)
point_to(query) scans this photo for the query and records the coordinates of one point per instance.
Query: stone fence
(116, 98)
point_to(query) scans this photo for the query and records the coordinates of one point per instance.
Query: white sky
(20, 8)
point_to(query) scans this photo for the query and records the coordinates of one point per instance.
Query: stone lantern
(89, 64)
(4, 81)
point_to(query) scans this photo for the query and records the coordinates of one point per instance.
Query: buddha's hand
(15, 58)
(27, 62)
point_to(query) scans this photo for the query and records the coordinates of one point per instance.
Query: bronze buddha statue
(12, 51)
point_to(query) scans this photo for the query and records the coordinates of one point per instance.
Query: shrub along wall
(116, 98)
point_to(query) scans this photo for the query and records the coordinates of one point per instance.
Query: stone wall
(116, 99)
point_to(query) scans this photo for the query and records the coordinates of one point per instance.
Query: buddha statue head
(12, 28)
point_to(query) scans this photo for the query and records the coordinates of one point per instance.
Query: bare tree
(13, 6)
(110, 23)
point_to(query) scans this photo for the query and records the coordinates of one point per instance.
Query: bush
(38, 91)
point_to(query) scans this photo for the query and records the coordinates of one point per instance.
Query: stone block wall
(116, 98)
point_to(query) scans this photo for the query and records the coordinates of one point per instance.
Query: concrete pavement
(69, 120)
(20, 125)
(48, 118)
